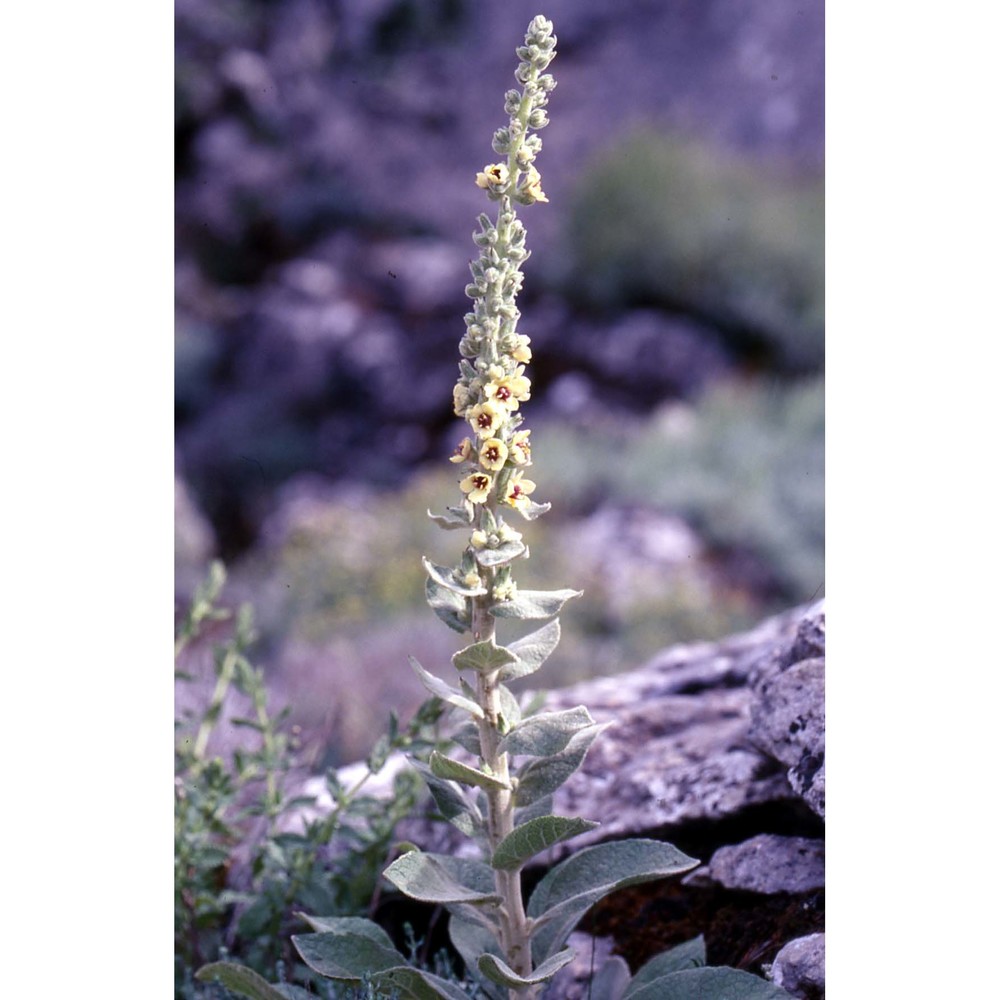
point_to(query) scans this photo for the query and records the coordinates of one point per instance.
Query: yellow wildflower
(492, 177)
(477, 486)
(492, 454)
(462, 453)
(509, 391)
(532, 187)
(520, 448)
(471, 580)
(522, 352)
(518, 490)
(486, 418)
(479, 539)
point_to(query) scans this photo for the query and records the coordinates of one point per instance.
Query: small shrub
(241, 868)
(671, 221)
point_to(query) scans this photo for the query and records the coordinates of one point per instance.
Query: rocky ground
(718, 748)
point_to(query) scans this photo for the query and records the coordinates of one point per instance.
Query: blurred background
(325, 160)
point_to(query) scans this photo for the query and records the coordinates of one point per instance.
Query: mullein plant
(501, 795)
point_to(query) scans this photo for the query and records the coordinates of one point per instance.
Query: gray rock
(788, 712)
(769, 864)
(677, 749)
(800, 967)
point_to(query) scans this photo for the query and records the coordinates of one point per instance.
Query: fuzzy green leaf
(532, 651)
(439, 878)
(348, 925)
(535, 836)
(450, 607)
(547, 733)
(610, 980)
(454, 518)
(533, 604)
(445, 577)
(453, 770)
(445, 692)
(544, 775)
(503, 553)
(689, 955)
(471, 939)
(566, 893)
(453, 802)
(345, 955)
(407, 983)
(510, 708)
(240, 980)
(531, 510)
(466, 735)
(500, 972)
(483, 656)
(709, 983)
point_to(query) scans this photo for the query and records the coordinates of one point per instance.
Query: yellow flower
(477, 486)
(492, 454)
(532, 187)
(509, 391)
(492, 177)
(479, 539)
(504, 590)
(520, 448)
(522, 352)
(471, 580)
(518, 490)
(486, 418)
(462, 453)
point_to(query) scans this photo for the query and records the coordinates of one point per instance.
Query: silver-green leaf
(533, 604)
(503, 553)
(547, 733)
(500, 972)
(535, 836)
(450, 607)
(532, 651)
(531, 510)
(472, 939)
(348, 925)
(407, 983)
(566, 893)
(709, 983)
(445, 577)
(240, 980)
(485, 656)
(453, 802)
(689, 955)
(439, 878)
(454, 518)
(445, 692)
(454, 770)
(346, 956)
(545, 774)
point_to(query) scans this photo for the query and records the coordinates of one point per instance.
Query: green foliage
(239, 874)
(664, 219)
(745, 466)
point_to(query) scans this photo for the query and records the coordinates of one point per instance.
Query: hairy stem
(514, 928)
